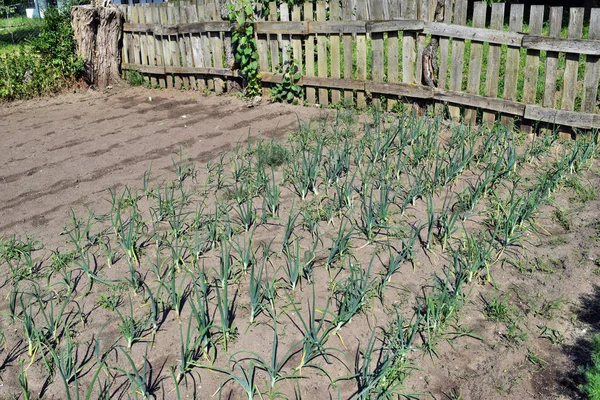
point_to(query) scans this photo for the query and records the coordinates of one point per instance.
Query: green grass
(18, 30)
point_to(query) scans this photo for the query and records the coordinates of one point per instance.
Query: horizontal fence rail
(496, 65)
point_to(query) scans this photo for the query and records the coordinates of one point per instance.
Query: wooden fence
(492, 62)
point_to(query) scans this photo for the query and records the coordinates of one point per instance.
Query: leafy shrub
(48, 64)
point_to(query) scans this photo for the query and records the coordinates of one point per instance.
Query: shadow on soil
(589, 314)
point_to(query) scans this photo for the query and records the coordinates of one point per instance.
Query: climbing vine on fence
(246, 54)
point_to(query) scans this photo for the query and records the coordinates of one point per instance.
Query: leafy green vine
(245, 51)
(288, 89)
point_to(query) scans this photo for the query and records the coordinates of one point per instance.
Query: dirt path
(69, 150)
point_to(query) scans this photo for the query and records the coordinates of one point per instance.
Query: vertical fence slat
(532, 63)
(572, 63)
(262, 47)
(174, 50)
(144, 38)
(196, 44)
(180, 61)
(334, 15)
(409, 11)
(421, 39)
(444, 54)
(154, 9)
(284, 14)
(513, 56)
(474, 78)
(151, 39)
(309, 53)
(554, 28)
(206, 45)
(458, 56)
(273, 40)
(322, 54)
(166, 43)
(377, 71)
(141, 18)
(493, 62)
(392, 51)
(592, 68)
(187, 44)
(297, 39)
(361, 52)
(136, 37)
(347, 9)
(216, 44)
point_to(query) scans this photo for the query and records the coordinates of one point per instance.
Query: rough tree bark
(98, 33)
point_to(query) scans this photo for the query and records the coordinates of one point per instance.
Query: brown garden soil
(70, 152)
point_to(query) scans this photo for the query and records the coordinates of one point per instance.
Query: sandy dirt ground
(61, 152)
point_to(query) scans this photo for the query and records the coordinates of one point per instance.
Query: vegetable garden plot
(346, 259)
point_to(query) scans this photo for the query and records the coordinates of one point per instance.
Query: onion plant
(340, 244)
(191, 350)
(245, 254)
(431, 220)
(271, 197)
(58, 321)
(225, 305)
(337, 163)
(255, 289)
(304, 172)
(352, 295)
(203, 319)
(289, 229)
(246, 380)
(32, 334)
(447, 221)
(24, 382)
(315, 332)
(132, 329)
(372, 365)
(141, 380)
(66, 362)
(177, 293)
(274, 367)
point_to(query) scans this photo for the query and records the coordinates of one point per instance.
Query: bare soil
(71, 150)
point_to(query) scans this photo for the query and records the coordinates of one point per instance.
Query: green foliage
(55, 43)
(246, 54)
(288, 89)
(592, 374)
(134, 78)
(47, 65)
(247, 57)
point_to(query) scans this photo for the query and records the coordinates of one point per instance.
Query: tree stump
(98, 32)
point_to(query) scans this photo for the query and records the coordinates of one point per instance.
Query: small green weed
(536, 360)
(497, 309)
(560, 216)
